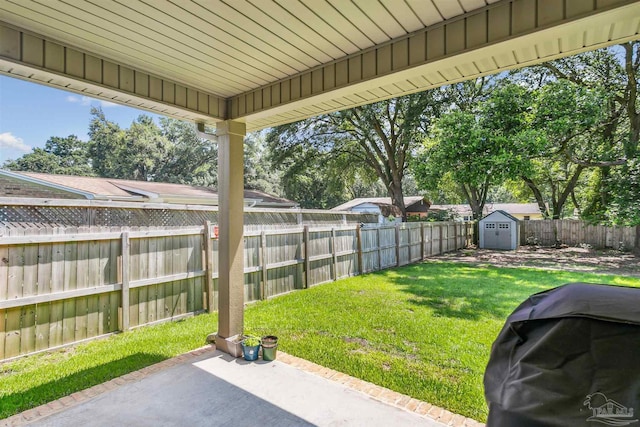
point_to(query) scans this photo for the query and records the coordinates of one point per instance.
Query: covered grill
(569, 356)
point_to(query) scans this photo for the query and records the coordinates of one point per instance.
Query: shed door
(497, 235)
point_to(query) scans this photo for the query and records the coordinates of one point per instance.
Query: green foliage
(251, 341)
(475, 149)
(171, 152)
(64, 156)
(106, 141)
(259, 173)
(189, 159)
(609, 81)
(143, 152)
(623, 204)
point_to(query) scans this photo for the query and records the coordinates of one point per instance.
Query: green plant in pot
(250, 347)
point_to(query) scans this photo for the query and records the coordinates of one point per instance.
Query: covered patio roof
(271, 62)
(244, 65)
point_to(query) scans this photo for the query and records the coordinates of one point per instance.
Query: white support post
(230, 221)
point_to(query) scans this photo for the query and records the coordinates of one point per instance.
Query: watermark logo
(608, 411)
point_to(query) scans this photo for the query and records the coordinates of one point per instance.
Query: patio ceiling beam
(35, 58)
(505, 35)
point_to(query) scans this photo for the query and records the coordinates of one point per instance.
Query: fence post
(208, 249)
(421, 240)
(409, 258)
(397, 245)
(379, 250)
(359, 248)
(262, 261)
(307, 255)
(125, 280)
(455, 236)
(470, 231)
(431, 239)
(440, 251)
(335, 254)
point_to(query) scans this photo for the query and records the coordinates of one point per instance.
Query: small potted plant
(250, 347)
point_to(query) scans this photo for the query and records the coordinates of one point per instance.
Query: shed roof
(511, 217)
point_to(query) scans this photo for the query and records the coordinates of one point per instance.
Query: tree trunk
(472, 200)
(538, 195)
(397, 197)
(562, 197)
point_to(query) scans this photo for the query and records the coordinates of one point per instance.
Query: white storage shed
(499, 230)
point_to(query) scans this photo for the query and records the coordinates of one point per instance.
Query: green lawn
(424, 330)
(41, 378)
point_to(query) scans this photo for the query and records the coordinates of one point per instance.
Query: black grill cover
(569, 356)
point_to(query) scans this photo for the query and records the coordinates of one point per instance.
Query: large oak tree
(379, 137)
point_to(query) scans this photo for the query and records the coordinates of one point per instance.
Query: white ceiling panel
(292, 57)
(469, 5)
(426, 11)
(378, 14)
(403, 14)
(339, 24)
(355, 15)
(341, 45)
(448, 8)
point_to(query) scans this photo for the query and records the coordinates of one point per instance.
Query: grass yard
(424, 330)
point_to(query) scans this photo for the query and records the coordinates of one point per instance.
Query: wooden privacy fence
(574, 233)
(62, 286)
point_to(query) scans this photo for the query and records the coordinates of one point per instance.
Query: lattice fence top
(38, 215)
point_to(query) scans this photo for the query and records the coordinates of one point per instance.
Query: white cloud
(86, 101)
(107, 104)
(9, 141)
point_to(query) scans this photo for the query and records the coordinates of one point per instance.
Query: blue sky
(31, 113)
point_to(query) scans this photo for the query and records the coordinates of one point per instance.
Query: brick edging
(382, 394)
(73, 399)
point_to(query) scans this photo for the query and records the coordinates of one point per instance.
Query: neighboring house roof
(512, 208)
(265, 199)
(379, 201)
(458, 209)
(387, 210)
(145, 191)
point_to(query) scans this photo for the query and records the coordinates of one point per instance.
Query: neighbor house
(49, 186)
(414, 205)
(521, 211)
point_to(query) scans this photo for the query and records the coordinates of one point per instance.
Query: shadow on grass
(468, 292)
(12, 404)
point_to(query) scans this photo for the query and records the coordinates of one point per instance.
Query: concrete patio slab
(209, 387)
